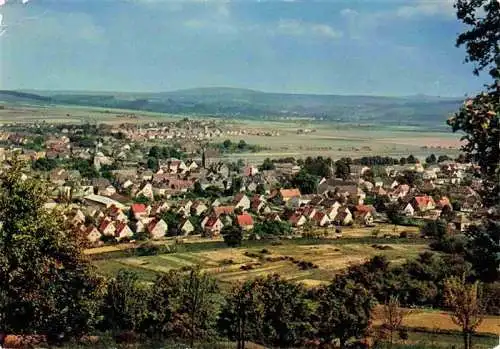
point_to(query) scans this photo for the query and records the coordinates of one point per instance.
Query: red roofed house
(220, 210)
(242, 201)
(245, 221)
(309, 212)
(213, 226)
(250, 171)
(364, 214)
(107, 227)
(157, 228)
(198, 207)
(344, 216)
(286, 194)
(117, 214)
(423, 203)
(273, 217)
(297, 220)
(93, 234)
(321, 219)
(123, 231)
(139, 211)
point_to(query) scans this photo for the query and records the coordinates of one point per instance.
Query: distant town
(151, 181)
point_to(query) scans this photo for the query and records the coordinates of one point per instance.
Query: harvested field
(314, 262)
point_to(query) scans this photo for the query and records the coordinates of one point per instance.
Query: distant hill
(244, 103)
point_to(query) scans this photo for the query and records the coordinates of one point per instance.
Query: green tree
(196, 318)
(227, 144)
(306, 182)
(443, 158)
(154, 152)
(173, 220)
(272, 228)
(479, 120)
(344, 311)
(411, 159)
(481, 40)
(125, 304)
(260, 189)
(198, 190)
(242, 144)
(342, 169)
(152, 164)
(287, 313)
(483, 250)
(267, 165)
(233, 235)
(48, 286)
(183, 305)
(466, 305)
(236, 185)
(242, 316)
(44, 164)
(431, 159)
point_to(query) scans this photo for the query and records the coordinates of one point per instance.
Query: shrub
(226, 262)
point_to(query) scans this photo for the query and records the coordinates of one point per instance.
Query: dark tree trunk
(466, 336)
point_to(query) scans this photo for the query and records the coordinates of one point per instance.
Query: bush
(247, 267)
(147, 249)
(226, 262)
(403, 235)
(450, 244)
(252, 254)
(265, 251)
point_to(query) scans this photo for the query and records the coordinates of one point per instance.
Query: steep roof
(290, 193)
(223, 210)
(244, 219)
(211, 222)
(423, 201)
(138, 208)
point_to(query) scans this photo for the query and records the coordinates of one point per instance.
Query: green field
(231, 265)
(330, 139)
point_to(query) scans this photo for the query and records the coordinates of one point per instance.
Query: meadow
(312, 261)
(329, 139)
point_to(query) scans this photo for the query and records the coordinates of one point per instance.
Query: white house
(157, 228)
(123, 231)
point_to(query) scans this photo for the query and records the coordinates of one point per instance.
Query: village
(122, 184)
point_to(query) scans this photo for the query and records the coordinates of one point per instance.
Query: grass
(327, 255)
(437, 339)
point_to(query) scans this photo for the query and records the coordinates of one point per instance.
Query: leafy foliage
(343, 311)
(243, 314)
(47, 284)
(465, 302)
(232, 234)
(306, 182)
(275, 228)
(342, 169)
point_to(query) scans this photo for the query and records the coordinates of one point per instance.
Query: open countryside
(250, 174)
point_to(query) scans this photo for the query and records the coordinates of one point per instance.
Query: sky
(369, 47)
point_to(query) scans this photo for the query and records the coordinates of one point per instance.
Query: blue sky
(375, 47)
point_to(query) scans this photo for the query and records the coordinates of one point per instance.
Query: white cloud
(294, 27)
(347, 12)
(326, 30)
(427, 8)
